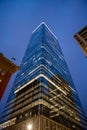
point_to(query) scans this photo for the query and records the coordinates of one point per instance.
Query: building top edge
(43, 23)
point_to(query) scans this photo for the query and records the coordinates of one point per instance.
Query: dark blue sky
(18, 18)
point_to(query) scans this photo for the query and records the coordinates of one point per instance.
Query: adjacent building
(7, 68)
(81, 38)
(43, 96)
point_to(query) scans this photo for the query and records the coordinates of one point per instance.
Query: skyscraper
(7, 68)
(81, 38)
(43, 96)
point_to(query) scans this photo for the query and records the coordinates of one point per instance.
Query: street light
(29, 127)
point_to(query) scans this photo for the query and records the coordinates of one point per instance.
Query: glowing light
(29, 127)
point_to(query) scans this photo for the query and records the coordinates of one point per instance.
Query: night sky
(18, 18)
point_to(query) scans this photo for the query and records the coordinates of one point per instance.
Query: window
(2, 72)
(85, 48)
(26, 114)
(0, 80)
(20, 116)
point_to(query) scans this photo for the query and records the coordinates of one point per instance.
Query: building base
(37, 123)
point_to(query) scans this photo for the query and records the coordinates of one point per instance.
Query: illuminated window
(20, 116)
(0, 80)
(2, 72)
(26, 114)
(86, 48)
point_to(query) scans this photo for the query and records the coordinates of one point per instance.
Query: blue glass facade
(44, 49)
(44, 86)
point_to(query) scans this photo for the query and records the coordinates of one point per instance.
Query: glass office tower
(43, 96)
